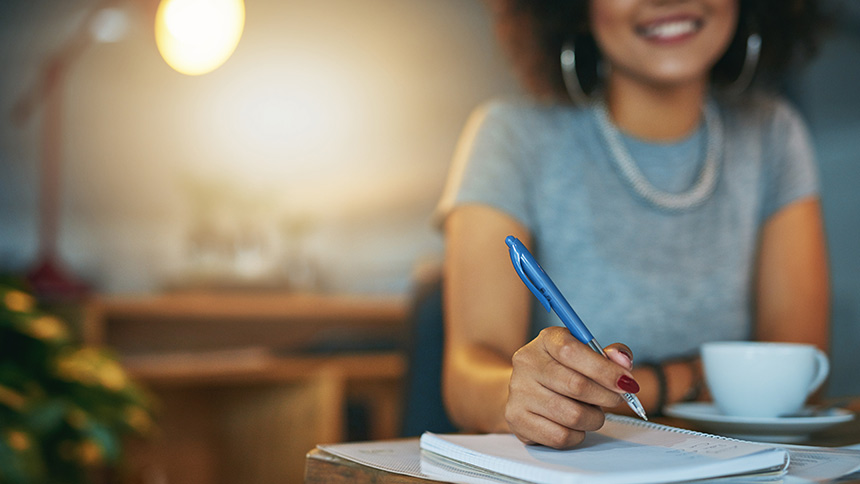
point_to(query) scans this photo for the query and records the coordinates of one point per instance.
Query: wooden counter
(247, 382)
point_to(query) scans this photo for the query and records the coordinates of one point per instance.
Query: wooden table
(211, 320)
(321, 467)
(247, 382)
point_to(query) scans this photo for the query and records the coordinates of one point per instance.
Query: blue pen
(548, 294)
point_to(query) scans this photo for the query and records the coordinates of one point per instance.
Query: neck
(655, 113)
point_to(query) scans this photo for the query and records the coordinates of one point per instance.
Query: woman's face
(663, 43)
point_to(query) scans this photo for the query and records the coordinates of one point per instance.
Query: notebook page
(404, 457)
(624, 450)
(818, 464)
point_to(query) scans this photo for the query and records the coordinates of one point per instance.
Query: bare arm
(486, 316)
(792, 290)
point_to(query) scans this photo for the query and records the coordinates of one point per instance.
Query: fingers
(567, 411)
(600, 373)
(558, 386)
(553, 434)
(576, 384)
(621, 354)
(537, 414)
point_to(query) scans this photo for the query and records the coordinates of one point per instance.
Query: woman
(671, 205)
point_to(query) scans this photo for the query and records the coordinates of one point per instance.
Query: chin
(671, 76)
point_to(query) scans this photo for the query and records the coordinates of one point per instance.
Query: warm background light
(331, 126)
(197, 36)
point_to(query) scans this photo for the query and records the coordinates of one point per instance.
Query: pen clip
(517, 256)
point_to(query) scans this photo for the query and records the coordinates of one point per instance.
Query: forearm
(486, 317)
(476, 388)
(792, 290)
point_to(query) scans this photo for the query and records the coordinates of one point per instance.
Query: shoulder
(769, 113)
(525, 116)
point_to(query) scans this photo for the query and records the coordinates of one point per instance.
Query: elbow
(453, 399)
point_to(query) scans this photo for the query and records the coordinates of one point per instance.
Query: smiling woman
(664, 45)
(669, 208)
(197, 36)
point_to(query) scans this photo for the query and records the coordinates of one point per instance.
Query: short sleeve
(488, 166)
(791, 164)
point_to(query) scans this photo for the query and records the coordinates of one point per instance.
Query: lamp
(197, 36)
(193, 48)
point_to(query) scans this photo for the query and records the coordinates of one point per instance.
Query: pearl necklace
(704, 185)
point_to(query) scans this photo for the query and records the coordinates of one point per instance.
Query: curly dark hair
(533, 31)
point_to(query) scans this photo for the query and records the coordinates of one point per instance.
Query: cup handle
(823, 365)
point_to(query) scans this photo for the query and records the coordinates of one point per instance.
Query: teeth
(671, 29)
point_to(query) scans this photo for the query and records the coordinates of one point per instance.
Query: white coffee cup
(759, 379)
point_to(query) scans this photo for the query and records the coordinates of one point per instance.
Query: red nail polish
(628, 384)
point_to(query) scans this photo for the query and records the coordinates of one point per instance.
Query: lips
(667, 30)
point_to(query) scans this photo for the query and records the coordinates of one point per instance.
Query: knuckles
(573, 416)
(581, 416)
(560, 437)
(513, 415)
(575, 383)
(521, 357)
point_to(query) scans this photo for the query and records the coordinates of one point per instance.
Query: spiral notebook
(624, 451)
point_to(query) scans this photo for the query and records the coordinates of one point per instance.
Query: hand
(559, 385)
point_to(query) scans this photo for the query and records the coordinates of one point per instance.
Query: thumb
(621, 354)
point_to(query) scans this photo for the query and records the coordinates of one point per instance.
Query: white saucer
(708, 418)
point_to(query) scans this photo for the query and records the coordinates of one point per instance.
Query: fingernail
(628, 384)
(628, 359)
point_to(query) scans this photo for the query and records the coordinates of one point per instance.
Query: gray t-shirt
(662, 282)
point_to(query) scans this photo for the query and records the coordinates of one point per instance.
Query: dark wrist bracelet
(697, 382)
(662, 390)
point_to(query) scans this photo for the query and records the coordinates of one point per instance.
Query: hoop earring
(571, 78)
(744, 79)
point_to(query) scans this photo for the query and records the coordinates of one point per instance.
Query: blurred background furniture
(248, 382)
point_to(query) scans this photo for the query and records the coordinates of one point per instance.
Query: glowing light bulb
(197, 36)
